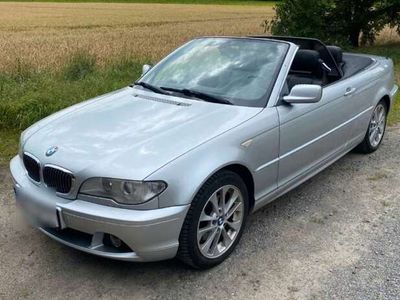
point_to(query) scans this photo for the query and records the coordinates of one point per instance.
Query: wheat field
(44, 34)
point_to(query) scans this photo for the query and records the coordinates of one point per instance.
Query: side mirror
(304, 93)
(146, 68)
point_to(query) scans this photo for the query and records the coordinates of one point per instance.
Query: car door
(312, 134)
(361, 90)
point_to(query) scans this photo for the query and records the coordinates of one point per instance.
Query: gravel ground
(336, 237)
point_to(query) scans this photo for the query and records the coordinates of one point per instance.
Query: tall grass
(80, 65)
(29, 95)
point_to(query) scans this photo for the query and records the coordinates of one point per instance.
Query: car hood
(130, 133)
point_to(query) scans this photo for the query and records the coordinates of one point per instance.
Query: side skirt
(264, 200)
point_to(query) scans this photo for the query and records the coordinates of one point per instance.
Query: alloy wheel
(220, 221)
(377, 125)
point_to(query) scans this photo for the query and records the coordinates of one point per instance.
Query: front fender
(185, 177)
(186, 174)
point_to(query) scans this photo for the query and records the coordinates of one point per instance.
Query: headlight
(123, 191)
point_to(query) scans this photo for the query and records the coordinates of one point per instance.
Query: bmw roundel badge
(51, 150)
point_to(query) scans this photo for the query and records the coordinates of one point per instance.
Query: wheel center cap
(220, 221)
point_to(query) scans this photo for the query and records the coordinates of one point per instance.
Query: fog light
(116, 242)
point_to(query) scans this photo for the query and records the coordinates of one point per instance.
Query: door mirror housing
(304, 93)
(146, 68)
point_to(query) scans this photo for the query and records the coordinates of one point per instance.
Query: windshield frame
(264, 99)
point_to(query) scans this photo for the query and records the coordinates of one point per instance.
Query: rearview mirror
(146, 68)
(304, 93)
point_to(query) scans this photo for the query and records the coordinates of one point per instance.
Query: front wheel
(376, 129)
(215, 221)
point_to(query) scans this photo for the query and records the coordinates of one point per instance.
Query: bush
(336, 21)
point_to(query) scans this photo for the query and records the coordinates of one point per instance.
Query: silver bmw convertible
(174, 164)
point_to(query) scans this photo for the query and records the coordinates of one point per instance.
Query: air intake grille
(32, 166)
(162, 100)
(58, 179)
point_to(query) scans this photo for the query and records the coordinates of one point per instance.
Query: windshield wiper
(151, 87)
(199, 95)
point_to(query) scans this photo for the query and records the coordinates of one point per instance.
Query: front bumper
(150, 235)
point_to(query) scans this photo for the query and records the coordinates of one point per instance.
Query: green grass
(28, 95)
(8, 145)
(394, 116)
(215, 2)
(392, 51)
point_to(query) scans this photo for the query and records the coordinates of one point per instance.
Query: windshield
(239, 70)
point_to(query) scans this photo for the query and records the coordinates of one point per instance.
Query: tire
(369, 145)
(195, 248)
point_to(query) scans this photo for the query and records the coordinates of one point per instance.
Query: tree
(336, 21)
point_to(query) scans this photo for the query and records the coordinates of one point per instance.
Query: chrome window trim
(281, 79)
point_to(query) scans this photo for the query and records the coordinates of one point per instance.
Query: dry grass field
(44, 34)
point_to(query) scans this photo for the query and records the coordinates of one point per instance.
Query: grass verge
(8, 145)
(28, 95)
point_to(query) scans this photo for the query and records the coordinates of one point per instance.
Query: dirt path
(336, 236)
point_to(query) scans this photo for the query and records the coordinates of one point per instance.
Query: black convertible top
(311, 44)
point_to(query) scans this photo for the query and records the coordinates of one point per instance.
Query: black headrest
(307, 61)
(337, 53)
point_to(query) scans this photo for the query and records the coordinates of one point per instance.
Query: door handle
(350, 91)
